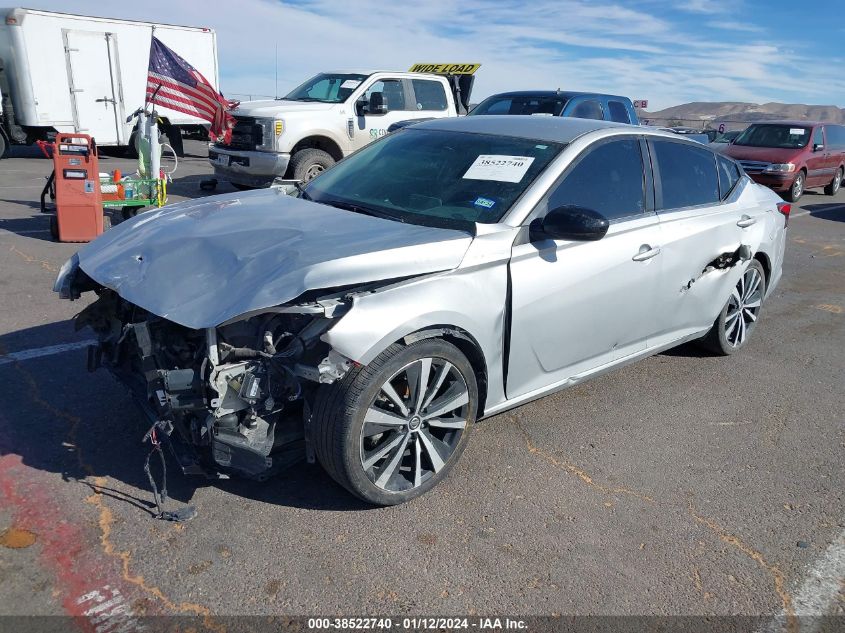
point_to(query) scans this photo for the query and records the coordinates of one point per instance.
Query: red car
(792, 156)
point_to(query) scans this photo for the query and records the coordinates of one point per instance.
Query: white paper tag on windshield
(797, 130)
(499, 168)
(351, 83)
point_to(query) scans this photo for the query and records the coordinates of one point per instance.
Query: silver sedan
(451, 271)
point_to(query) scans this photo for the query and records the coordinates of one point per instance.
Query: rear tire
(54, 228)
(4, 146)
(739, 317)
(796, 190)
(834, 185)
(309, 163)
(386, 440)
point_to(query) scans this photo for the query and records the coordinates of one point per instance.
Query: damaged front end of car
(238, 396)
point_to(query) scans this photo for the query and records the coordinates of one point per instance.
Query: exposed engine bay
(238, 395)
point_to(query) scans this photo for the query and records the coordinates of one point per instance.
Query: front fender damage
(238, 394)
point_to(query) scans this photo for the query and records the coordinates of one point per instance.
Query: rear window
(688, 175)
(618, 112)
(781, 136)
(520, 105)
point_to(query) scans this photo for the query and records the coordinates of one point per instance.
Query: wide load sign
(461, 79)
(445, 69)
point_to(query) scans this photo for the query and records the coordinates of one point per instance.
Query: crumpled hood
(270, 108)
(202, 262)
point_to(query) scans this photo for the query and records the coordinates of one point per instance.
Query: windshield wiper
(348, 206)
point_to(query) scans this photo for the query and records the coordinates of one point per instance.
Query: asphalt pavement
(682, 485)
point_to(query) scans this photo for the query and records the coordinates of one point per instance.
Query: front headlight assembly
(64, 280)
(781, 168)
(271, 130)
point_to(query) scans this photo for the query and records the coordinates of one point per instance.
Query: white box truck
(72, 73)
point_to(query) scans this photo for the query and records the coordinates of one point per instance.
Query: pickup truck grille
(753, 166)
(245, 135)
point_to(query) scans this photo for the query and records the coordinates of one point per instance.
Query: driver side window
(392, 92)
(608, 179)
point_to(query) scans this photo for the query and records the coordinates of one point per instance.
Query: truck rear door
(93, 75)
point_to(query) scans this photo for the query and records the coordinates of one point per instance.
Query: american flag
(174, 83)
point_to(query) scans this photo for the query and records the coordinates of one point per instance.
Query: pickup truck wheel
(738, 318)
(309, 163)
(834, 185)
(392, 430)
(797, 189)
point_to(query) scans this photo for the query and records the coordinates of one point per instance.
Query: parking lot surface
(682, 485)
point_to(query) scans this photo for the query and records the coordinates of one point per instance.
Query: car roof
(542, 128)
(566, 94)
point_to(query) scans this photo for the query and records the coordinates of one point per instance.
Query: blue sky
(666, 51)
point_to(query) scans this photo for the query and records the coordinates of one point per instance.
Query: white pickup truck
(330, 116)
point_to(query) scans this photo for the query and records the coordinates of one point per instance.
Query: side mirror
(574, 223)
(817, 147)
(377, 104)
(361, 106)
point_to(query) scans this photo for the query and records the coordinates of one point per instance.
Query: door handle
(746, 221)
(646, 252)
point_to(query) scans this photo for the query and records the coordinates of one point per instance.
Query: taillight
(785, 208)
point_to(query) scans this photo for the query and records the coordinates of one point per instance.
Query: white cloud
(570, 44)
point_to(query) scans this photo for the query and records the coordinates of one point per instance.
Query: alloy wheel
(837, 181)
(798, 186)
(743, 307)
(414, 424)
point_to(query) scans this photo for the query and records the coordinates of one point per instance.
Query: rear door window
(618, 112)
(520, 104)
(429, 95)
(728, 176)
(608, 179)
(587, 109)
(687, 175)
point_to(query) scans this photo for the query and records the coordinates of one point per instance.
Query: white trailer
(72, 73)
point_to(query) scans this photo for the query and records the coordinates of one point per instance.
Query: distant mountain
(736, 111)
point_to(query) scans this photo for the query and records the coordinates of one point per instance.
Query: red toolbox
(79, 205)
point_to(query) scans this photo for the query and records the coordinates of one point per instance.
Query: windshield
(435, 177)
(778, 136)
(327, 88)
(727, 137)
(503, 104)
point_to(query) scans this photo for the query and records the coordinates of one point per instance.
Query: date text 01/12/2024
(416, 623)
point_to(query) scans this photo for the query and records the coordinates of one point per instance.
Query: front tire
(736, 321)
(834, 185)
(309, 163)
(794, 193)
(392, 430)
